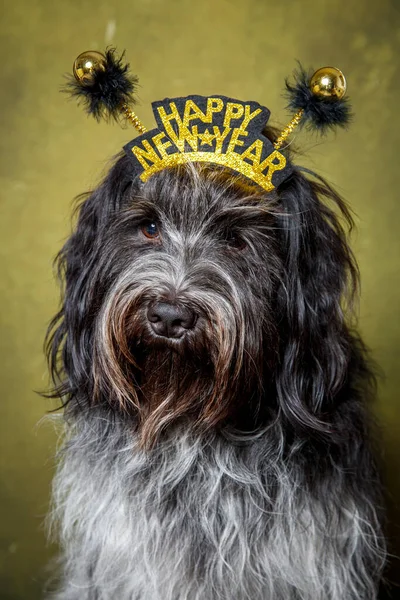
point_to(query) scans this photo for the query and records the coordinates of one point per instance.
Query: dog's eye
(150, 230)
(235, 242)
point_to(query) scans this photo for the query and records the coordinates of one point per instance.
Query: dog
(216, 396)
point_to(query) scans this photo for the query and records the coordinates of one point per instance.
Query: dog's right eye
(150, 230)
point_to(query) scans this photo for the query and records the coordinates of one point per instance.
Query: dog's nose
(171, 320)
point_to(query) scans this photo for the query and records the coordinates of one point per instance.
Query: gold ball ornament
(328, 83)
(87, 64)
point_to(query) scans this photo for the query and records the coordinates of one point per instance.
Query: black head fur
(108, 90)
(319, 114)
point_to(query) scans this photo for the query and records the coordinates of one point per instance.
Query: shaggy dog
(218, 444)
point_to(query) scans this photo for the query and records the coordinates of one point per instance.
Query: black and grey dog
(218, 442)
(218, 446)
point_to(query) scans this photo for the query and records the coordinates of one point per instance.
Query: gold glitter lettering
(234, 141)
(213, 105)
(192, 111)
(172, 115)
(254, 152)
(233, 111)
(159, 145)
(248, 115)
(146, 154)
(184, 134)
(219, 137)
(272, 167)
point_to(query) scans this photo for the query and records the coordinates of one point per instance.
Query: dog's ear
(69, 339)
(319, 277)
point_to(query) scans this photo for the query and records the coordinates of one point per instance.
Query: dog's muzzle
(171, 320)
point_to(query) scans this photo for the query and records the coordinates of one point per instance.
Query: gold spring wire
(288, 129)
(133, 118)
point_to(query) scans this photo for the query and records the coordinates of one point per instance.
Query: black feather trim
(319, 113)
(109, 89)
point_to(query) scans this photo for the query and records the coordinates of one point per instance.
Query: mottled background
(50, 152)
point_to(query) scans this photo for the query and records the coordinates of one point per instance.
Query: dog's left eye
(150, 230)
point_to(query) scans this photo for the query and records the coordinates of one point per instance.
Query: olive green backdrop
(50, 152)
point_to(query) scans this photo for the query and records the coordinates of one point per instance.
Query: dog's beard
(173, 384)
(201, 379)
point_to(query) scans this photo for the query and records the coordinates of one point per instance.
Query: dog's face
(192, 297)
(189, 269)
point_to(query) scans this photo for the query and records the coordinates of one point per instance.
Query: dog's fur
(233, 463)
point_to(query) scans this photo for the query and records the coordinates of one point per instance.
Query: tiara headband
(213, 129)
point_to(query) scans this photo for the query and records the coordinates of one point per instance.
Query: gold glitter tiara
(214, 129)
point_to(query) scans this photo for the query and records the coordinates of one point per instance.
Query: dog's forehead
(192, 195)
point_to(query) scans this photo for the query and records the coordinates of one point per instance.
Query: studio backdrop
(51, 152)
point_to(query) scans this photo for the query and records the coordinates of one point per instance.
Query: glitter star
(206, 138)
